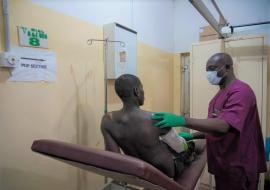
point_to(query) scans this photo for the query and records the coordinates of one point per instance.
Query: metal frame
(204, 11)
(105, 45)
(245, 25)
(6, 24)
(115, 185)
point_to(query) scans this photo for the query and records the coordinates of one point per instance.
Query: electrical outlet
(9, 59)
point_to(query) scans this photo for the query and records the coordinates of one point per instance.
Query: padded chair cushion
(121, 163)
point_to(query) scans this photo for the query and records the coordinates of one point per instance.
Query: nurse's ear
(228, 68)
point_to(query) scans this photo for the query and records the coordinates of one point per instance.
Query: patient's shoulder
(106, 120)
(111, 117)
(146, 114)
(107, 116)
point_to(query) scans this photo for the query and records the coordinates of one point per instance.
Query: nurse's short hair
(224, 57)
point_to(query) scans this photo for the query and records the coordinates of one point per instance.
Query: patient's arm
(109, 142)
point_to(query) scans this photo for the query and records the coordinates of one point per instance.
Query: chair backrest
(114, 165)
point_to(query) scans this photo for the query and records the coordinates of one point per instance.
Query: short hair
(125, 84)
(225, 58)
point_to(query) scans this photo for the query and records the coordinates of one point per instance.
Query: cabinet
(121, 57)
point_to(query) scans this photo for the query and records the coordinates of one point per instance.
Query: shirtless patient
(133, 130)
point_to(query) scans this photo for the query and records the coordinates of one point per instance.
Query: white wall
(152, 19)
(171, 25)
(187, 20)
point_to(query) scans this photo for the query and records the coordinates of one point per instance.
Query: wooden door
(201, 92)
(250, 65)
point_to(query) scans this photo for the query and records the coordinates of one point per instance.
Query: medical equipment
(105, 45)
(121, 167)
(120, 59)
(119, 65)
(176, 142)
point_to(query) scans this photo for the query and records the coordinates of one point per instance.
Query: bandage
(176, 142)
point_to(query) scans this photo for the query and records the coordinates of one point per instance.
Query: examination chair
(122, 168)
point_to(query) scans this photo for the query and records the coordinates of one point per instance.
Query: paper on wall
(34, 65)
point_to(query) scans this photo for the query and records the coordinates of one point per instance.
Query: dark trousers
(236, 180)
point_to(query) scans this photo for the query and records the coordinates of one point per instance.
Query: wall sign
(32, 37)
(34, 65)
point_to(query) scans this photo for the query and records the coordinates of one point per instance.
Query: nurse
(235, 148)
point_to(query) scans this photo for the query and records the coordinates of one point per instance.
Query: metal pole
(251, 24)
(105, 45)
(222, 20)
(203, 10)
(6, 24)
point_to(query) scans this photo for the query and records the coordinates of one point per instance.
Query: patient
(133, 130)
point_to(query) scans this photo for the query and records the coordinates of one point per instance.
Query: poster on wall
(32, 37)
(34, 65)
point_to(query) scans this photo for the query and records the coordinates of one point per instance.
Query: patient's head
(129, 88)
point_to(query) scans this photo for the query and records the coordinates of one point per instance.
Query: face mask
(213, 78)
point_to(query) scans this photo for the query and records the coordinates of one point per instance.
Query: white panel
(121, 58)
(130, 65)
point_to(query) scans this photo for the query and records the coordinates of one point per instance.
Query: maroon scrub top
(242, 147)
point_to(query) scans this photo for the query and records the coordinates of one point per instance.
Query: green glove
(187, 136)
(168, 120)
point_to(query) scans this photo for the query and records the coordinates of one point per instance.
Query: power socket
(9, 59)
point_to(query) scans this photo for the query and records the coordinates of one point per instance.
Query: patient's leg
(183, 159)
(200, 145)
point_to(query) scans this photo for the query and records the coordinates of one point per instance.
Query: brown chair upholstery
(121, 167)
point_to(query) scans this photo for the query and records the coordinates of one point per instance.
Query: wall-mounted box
(120, 60)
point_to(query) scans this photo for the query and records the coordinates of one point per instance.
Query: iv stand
(105, 46)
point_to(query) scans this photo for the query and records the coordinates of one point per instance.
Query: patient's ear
(136, 92)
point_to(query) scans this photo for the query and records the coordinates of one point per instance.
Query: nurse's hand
(168, 120)
(187, 136)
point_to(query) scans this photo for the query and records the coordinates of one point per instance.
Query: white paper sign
(34, 66)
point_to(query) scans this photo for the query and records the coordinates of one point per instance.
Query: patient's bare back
(136, 135)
